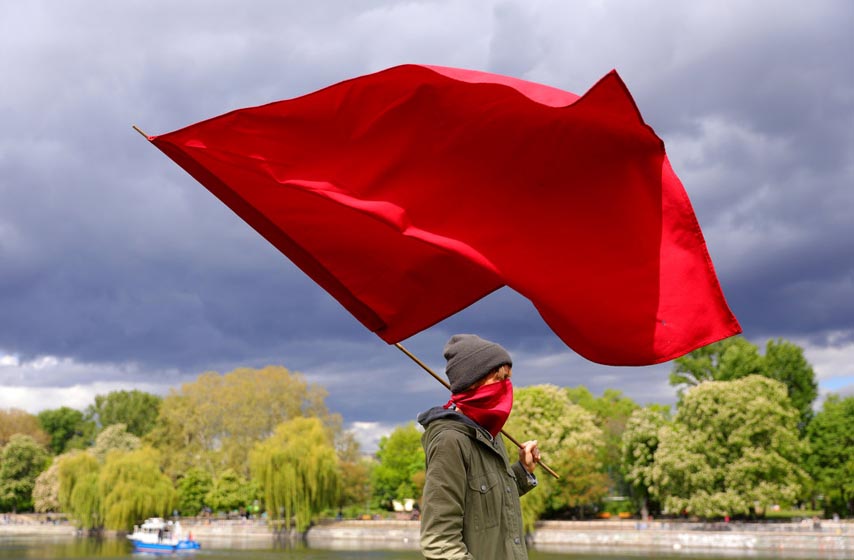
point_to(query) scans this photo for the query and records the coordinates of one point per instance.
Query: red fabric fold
(411, 193)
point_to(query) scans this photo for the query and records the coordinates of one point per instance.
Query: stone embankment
(800, 539)
(824, 539)
(41, 525)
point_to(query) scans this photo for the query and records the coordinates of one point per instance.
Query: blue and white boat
(157, 535)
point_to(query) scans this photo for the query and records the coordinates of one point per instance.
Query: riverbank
(799, 539)
(827, 539)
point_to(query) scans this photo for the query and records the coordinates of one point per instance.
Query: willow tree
(565, 431)
(213, 422)
(133, 488)
(79, 495)
(297, 471)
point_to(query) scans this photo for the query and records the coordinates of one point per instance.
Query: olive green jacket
(470, 508)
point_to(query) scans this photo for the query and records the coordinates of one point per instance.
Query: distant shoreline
(832, 539)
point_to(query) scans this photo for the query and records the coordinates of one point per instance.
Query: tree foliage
(193, 488)
(639, 443)
(137, 410)
(831, 458)
(16, 421)
(785, 362)
(114, 438)
(735, 358)
(297, 472)
(580, 483)
(355, 471)
(400, 457)
(230, 492)
(21, 461)
(215, 421)
(611, 411)
(46, 489)
(133, 488)
(728, 359)
(67, 428)
(562, 428)
(79, 493)
(124, 488)
(733, 445)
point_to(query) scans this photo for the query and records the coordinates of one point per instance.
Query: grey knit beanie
(470, 358)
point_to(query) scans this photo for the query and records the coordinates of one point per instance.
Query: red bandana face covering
(488, 405)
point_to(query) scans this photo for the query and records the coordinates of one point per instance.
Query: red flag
(411, 193)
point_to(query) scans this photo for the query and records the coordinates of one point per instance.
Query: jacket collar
(453, 420)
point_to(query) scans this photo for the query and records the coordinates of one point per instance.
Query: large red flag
(411, 193)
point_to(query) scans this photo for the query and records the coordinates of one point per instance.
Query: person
(470, 506)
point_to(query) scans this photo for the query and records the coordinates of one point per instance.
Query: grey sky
(118, 271)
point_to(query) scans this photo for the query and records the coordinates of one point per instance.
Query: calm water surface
(85, 549)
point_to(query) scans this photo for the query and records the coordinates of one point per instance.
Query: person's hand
(529, 455)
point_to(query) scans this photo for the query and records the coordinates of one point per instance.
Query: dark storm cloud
(126, 270)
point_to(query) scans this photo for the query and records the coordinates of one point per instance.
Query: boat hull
(165, 547)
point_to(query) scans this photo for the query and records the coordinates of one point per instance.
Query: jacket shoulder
(447, 431)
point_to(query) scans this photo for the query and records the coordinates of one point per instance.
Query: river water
(87, 548)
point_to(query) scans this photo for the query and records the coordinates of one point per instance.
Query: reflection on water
(62, 547)
(262, 549)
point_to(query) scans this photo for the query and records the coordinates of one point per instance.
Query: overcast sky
(119, 271)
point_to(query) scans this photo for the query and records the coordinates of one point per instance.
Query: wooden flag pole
(448, 387)
(136, 128)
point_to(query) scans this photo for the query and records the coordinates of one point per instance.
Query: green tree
(297, 472)
(639, 443)
(580, 483)
(731, 358)
(215, 421)
(132, 488)
(355, 472)
(612, 410)
(193, 487)
(735, 358)
(733, 446)
(612, 403)
(67, 429)
(230, 492)
(563, 429)
(137, 410)
(400, 457)
(831, 457)
(79, 493)
(786, 363)
(114, 438)
(16, 421)
(21, 461)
